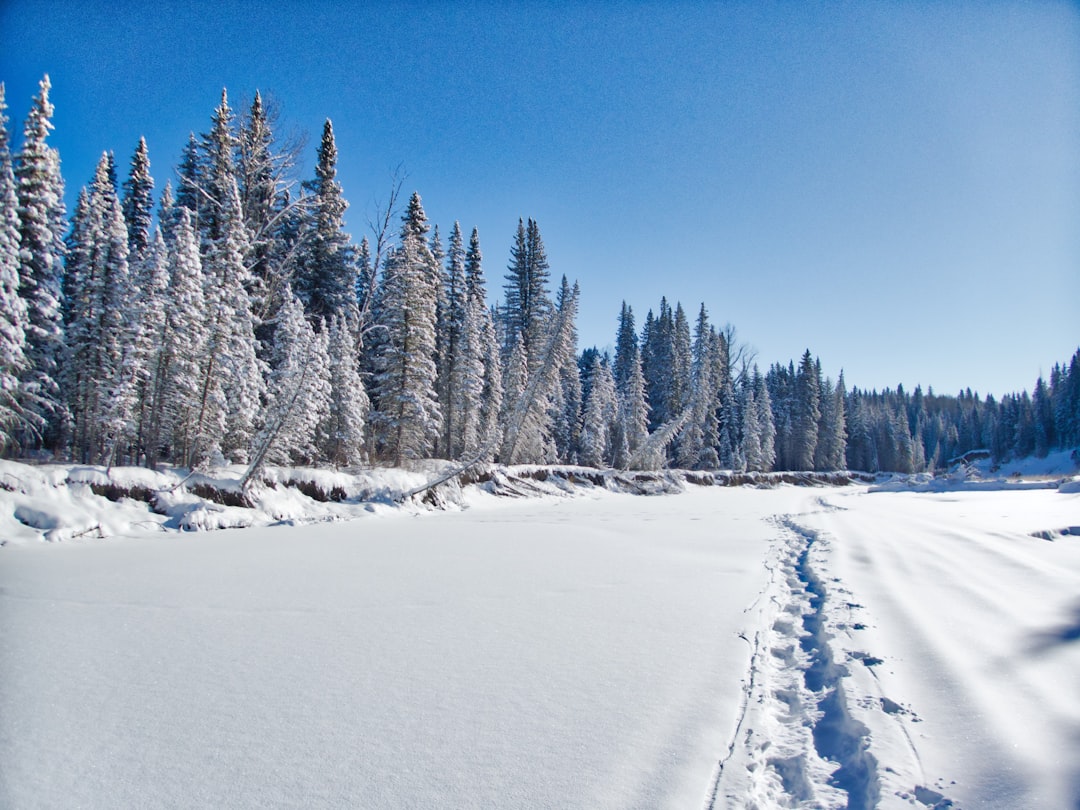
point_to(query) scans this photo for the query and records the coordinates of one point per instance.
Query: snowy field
(724, 647)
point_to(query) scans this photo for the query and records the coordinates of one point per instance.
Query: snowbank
(62, 502)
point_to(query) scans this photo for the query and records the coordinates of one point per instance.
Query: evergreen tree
(138, 203)
(633, 419)
(567, 411)
(765, 421)
(100, 368)
(148, 306)
(217, 178)
(830, 451)
(327, 274)
(515, 382)
(681, 363)
(483, 365)
(453, 352)
(271, 217)
(343, 425)
(189, 181)
(231, 383)
(528, 306)
(807, 413)
(179, 385)
(406, 416)
(527, 417)
(298, 395)
(690, 447)
(13, 315)
(1043, 419)
(365, 285)
(41, 215)
(599, 418)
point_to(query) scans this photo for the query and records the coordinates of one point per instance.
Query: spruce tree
(342, 431)
(765, 421)
(528, 307)
(453, 351)
(138, 203)
(13, 315)
(406, 416)
(298, 393)
(807, 413)
(100, 366)
(633, 421)
(149, 306)
(567, 397)
(327, 275)
(598, 421)
(179, 385)
(231, 383)
(41, 215)
(484, 391)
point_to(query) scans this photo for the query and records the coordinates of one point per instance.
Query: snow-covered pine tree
(633, 414)
(691, 444)
(750, 439)
(515, 382)
(260, 171)
(484, 392)
(298, 394)
(138, 204)
(41, 214)
(729, 422)
(178, 384)
(1043, 414)
(269, 215)
(765, 422)
(217, 176)
(567, 401)
(342, 430)
(148, 308)
(453, 347)
(601, 411)
(365, 286)
(100, 366)
(326, 276)
(657, 352)
(832, 433)
(807, 413)
(681, 361)
(528, 307)
(13, 315)
(526, 423)
(231, 381)
(632, 425)
(405, 418)
(189, 181)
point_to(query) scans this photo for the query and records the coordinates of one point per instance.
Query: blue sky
(895, 186)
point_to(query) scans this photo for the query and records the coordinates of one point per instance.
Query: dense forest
(232, 319)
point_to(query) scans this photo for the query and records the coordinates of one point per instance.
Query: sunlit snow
(604, 650)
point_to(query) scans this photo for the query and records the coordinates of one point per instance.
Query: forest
(233, 320)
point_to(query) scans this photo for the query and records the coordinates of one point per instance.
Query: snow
(975, 620)
(723, 647)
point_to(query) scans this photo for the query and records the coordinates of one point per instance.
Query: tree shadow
(1069, 633)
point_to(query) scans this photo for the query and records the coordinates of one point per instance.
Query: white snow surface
(723, 647)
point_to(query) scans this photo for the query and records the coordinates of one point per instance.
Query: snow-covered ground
(723, 647)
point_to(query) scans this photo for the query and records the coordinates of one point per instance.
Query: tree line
(238, 322)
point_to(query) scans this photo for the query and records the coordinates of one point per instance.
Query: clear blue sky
(895, 186)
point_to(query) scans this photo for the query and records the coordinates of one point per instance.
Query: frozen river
(605, 651)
